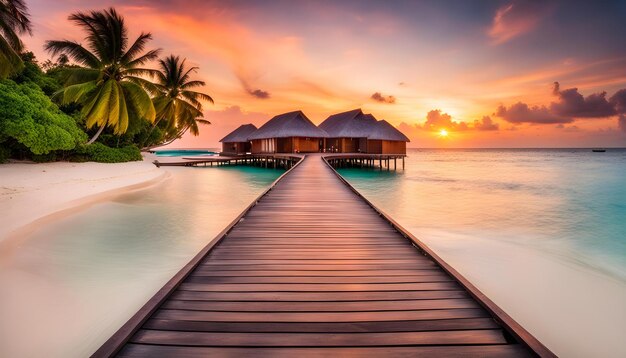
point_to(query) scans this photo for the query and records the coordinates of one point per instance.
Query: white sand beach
(31, 193)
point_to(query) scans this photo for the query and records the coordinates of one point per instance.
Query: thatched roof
(385, 131)
(240, 134)
(292, 124)
(335, 124)
(351, 124)
(356, 124)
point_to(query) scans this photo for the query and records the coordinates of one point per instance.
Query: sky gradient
(492, 73)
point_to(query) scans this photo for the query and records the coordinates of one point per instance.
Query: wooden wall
(386, 147)
(375, 146)
(263, 146)
(236, 147)
(363, 145)
(394, 147)
(346, 145)
(287, 145)
(306, 145)
(284, 145)
(333, 145)
(349, 145)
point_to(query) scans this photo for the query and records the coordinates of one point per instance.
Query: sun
(443, 133)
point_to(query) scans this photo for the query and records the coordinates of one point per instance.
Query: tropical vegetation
(178, 106)
(102, 88)
(30, 121)
(14, 21)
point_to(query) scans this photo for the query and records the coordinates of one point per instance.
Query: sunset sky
(484, 71)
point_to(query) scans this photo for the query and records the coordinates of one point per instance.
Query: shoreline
(30, 199)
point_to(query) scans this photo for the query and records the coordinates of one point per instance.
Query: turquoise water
(572, 202)
(183, 152)
(541, 232)
(73, 283)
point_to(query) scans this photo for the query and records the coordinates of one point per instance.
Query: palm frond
(137, 47)
(14, 13)
(185, 77)
(10, 35)
(142, 60)
(123, 120)
(140, 100)
(73, 50)
(10, 61)
(74, 75)
(193, 129)
(152, 88)
(198, 96)
(77, 93)
(98, 112)
(192, 84)
(95, 34)
(139, 72)
(113, 112)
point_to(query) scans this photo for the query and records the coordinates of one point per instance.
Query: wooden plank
(210, 265)
(317, 296)
(320, 261)
(489, 351)
(202, 271)
(247, 250)
(199, 277)
(318, 316)
(323, 327)
(308, 256)
(278, 306)
(221, 339)
(189, 285)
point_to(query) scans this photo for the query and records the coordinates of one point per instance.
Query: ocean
(541, 232)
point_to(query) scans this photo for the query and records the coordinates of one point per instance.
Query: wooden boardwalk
(312, 270)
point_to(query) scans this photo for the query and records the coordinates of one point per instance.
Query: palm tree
(13, 21)
(109, 80)
(176, 102)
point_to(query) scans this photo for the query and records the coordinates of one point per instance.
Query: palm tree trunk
(93, 139)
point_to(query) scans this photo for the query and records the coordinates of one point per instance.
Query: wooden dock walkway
(312, 270)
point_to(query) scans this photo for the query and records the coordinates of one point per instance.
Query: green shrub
(45, 158)
(5, 154)
(98, 152)
(29, 117)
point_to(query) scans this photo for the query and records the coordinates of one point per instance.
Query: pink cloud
(512, 20)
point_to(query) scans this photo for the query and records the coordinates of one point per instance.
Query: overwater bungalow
(348, 131)
(357, 132)
(289, 132)
(236, 142)
(386, 139)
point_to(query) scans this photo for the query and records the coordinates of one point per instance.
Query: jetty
(313, 269)
(286, 161)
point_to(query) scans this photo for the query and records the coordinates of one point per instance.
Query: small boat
(598, 150)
